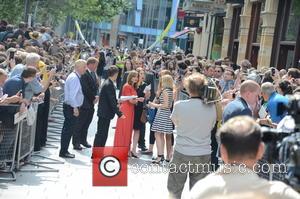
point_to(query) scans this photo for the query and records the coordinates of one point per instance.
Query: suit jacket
(149, 80)
(108, 106)
(89, 88)
(235, 108)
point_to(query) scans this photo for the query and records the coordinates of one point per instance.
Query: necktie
(94, 76)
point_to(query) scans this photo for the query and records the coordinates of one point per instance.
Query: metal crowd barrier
(26, 149)
(26, 137)
(9, 132)
(17, 137)
(57, 94)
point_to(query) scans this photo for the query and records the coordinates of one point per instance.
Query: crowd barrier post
(39, 167)
(10, 121)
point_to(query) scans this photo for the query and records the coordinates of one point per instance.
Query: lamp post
(26, 10)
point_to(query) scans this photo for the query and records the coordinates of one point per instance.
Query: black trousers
(102, 132)
(42, 123)
(141, 141)
(119, 78)
(214, 147)
(68, 128)
(82, 126)
(151, 136)
(45, 117)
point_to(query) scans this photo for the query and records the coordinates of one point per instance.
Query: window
(293, 25)
(218, 37)
(234, 34)
(255, 32)
(286, 45)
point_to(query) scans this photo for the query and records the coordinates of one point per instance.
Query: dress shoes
(77, 147)
(66, 155)
(143, 148)
(86, 145)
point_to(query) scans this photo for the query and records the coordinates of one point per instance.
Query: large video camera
(283, 145)
(211, 91)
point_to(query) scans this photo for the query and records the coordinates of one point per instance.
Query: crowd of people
(167, 90)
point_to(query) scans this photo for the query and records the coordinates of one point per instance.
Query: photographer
(193, 134)
(241, 148)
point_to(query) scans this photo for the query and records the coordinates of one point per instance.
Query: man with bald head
(72, 102)
(243, 105)
(241, 148)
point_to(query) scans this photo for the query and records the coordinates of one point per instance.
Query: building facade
(207, 37)
(267, 32)
(141, 25)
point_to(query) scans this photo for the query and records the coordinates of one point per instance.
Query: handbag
(143, 118)
(31, 114)
(151, 114)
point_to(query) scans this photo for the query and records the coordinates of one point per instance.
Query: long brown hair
(139, 69)
(132, 74)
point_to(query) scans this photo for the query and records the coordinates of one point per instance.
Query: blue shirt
(17, 70)
(73, 91)
(33, 87)
(13, 85)
(272, 106)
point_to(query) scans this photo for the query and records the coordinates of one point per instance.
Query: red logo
(110, 166)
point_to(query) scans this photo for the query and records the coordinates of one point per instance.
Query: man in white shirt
(72, 102)
(194, 121)
(241, 148)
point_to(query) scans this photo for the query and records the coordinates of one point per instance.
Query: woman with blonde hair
(124, 127)
(162, 125)
(158, 93)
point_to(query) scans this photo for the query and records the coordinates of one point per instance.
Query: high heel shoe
(133, 155)
(159, 159)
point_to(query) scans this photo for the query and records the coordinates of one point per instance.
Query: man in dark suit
(108, 106)
(244, 104)
(89, 86)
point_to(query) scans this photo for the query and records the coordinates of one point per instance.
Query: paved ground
(74, 179)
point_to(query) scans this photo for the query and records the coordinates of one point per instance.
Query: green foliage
(297, 7)
(11, 10)
(53, 11)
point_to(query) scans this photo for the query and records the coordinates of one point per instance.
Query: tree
(53, 11)
(11, 10)
(83, 10)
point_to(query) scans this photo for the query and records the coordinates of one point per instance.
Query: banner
(167, 29)
(80, 33)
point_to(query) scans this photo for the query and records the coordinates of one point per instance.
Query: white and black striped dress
(162, 121)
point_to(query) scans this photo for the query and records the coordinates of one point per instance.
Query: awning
(178, 34)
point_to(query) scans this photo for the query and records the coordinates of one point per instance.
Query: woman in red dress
(124, 127)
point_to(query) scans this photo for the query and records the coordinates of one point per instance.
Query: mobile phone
(50, 67)
(273, 71)
(11, 55)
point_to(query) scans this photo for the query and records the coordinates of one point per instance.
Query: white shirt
(193, 121)
(1, 91)
(240, 181)
(73, 91)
